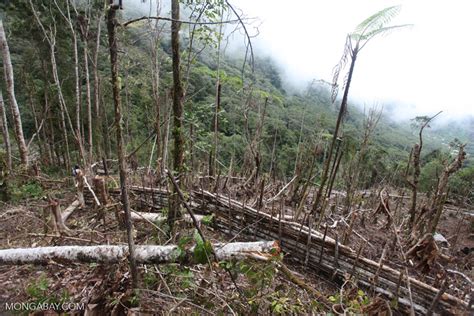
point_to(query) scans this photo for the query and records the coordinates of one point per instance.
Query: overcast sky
(427, 68)
(424, 69)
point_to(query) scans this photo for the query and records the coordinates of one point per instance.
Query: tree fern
(366, 30)
(355, 41)
(377, 20)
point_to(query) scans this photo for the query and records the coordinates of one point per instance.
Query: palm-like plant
(374, 25)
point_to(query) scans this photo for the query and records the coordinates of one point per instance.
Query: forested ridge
(291, 113)
(158, 115)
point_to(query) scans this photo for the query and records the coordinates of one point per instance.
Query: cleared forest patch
(341, 262)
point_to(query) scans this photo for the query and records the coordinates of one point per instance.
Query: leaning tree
(355, 42)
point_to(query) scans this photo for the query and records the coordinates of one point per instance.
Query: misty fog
(418, 71)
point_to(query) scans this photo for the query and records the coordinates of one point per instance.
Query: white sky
(427, 68)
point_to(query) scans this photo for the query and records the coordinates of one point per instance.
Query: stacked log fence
(315, 249)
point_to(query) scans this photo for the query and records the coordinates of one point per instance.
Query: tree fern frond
(339, 67)
(383, 31)
(377, 20)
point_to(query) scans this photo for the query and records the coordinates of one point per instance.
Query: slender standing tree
(8, 69)
(50, 37)
(95, 70)
(178, 138)
(355, 41)
(214, 149)
(79, 139)
(111, 28)
(437, 203)
(155, 84)
(84, 32)
(423, 122)
(6, 135)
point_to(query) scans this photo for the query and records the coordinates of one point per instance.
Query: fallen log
(238, 219)
(260, 250)
(235, 217)
(70, 209)
(159, 218)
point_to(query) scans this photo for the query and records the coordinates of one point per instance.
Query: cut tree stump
(260, 250)
(53, 217)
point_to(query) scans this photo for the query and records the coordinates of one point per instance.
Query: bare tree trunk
(78, 133)
(10, 83)
(51, 39)
(342, 111)
(6, 135)
(38, 126)
(53, 211)
(258, 137)
(273, 160)
(178, 153)
(160, 218)
(111, 27)
(80, 187)
(52, 135)
(416, 176)
(84, 31)
(78, 95)
(101, 188)
(105, 129)
(417, 170)
(213, 156)
(89, 103)
(440, 196)
(95, 70)
(259, 250)
(48, 141)
(356, 164)
(155, 71)
(125, 81)
(166, 134)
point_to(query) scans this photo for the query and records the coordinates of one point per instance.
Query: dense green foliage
(293, 116)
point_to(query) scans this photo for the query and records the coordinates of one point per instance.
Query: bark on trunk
(52, 215)
(95, 70)
(84, 32)
(89, 104)
(62, 104)
(80, 187)
(178, 153)
(48, 142)
(111, 27)
(261, 250)
(10, 85)
(5, 134)
(38, 126)
(100, 187)
(342, 111)
(159, 218)
(155, 69)
(440, 197)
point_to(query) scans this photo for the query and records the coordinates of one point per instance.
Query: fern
(377, 20)
(355, 41)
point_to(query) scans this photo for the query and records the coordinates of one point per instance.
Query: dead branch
(302, 284)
